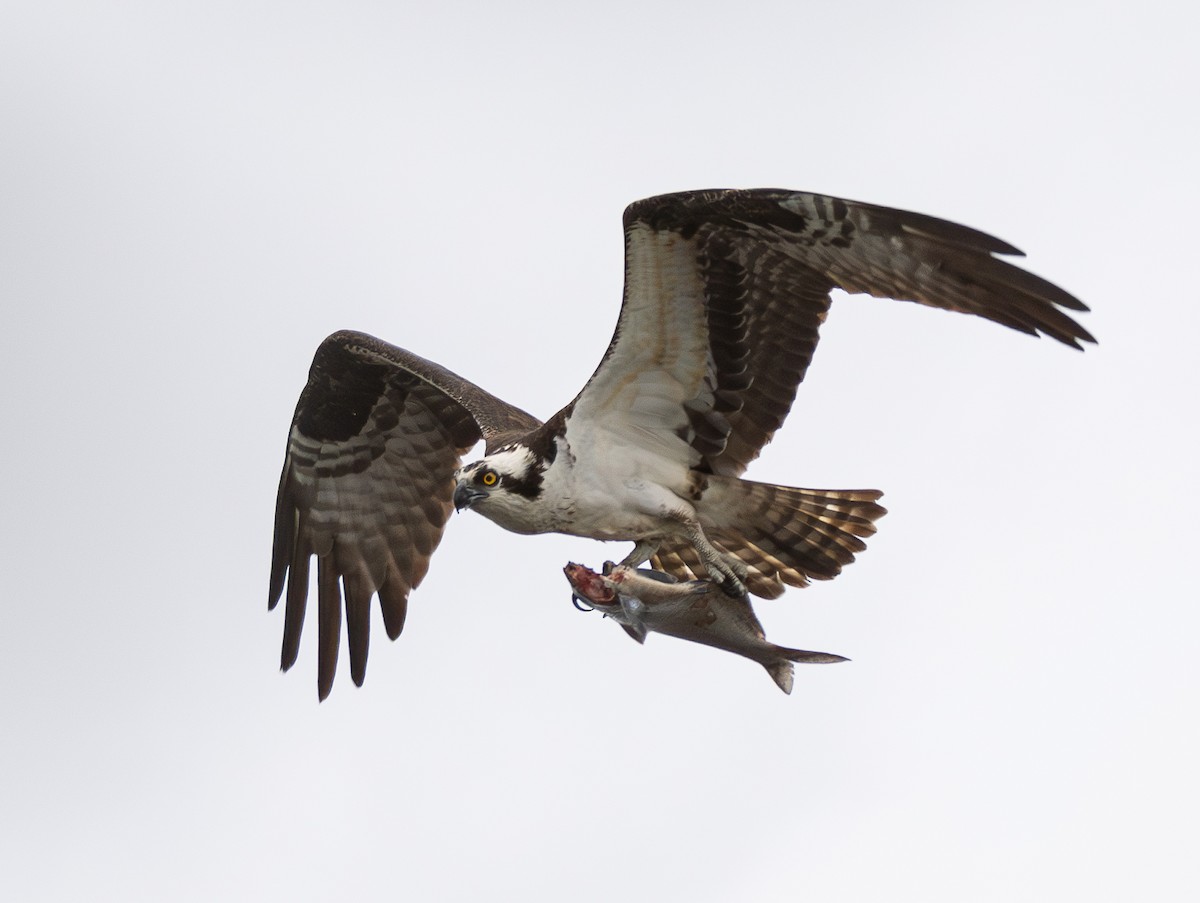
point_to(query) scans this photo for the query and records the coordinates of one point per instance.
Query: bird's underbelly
(623, 525)
(629, 510)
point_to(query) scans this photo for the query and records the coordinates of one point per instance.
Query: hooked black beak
(466, 495)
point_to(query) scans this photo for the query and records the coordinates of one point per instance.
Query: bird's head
(503, 483)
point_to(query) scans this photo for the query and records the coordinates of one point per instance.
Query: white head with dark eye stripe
(500, 486)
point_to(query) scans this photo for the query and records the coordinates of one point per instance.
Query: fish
(644, 601)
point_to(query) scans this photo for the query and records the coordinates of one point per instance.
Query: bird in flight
(725, 293)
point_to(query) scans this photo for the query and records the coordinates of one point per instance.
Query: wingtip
(1073, 342)
(276, 586)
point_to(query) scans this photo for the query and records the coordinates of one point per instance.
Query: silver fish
(644, 601)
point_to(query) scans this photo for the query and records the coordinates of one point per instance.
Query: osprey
(725, 291)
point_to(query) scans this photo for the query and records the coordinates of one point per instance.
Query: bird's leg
(731, 572)
(643, 551)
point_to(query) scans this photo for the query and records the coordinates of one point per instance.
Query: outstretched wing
(367, 486)
(725, 292)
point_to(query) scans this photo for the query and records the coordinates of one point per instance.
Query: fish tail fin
(810, 658)
(782, 673)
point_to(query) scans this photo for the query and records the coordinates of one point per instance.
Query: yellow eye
(488, 478)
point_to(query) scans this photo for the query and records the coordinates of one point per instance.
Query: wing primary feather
(943, 230)
(1037, 289)
(393, 602)
(293, 616)
(358, 622)
(283, 545)
(329, 625)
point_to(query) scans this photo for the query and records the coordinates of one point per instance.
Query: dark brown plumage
(376, 438)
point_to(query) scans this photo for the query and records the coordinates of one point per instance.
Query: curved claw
(580, 604)
(734, 587)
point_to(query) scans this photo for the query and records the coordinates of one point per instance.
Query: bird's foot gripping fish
(644, 601)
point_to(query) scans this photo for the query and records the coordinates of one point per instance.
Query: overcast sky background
(192, 195)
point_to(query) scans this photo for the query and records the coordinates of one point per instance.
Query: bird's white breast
(614, 490)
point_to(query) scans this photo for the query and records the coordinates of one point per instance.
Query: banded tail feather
(781, 535)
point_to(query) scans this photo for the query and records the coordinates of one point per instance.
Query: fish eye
(489, 478)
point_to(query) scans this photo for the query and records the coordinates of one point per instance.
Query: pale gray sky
(192, 195)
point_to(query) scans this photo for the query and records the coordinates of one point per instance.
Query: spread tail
(781, 535)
